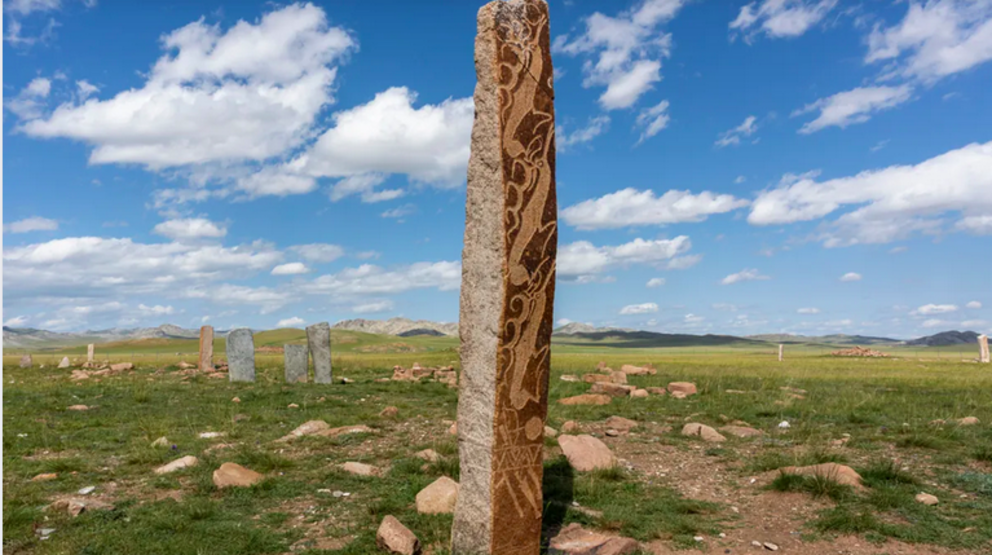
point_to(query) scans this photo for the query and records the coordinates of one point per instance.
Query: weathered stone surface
(393, 537)
(968, 421)
(621, 423)
(927, 499)
(26, 361)
(206, 349)
(983, 349)
(550, 432)
(612, 389)
(90, 352)
(296, 362)
(122, 366)
(575, 540)
(178, 464)
(76, 506)
(64, 363)
(686, 388)
(586, 453)
(587, 399)
(234, 475)
(639, 393)
(308, 428)
(241, 355)
(741, 431)
(596, 378)
(703, 431)
(508, 280)
(77, 407)
(439, 497)
(837, 472)
(428, 455)
(345, 430)
(569, 427)
(632, 370)
(656, 390)
(319, 342)
(360, 469)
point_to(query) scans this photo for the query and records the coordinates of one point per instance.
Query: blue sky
(802, 166)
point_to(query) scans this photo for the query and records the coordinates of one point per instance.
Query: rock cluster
(858, 352)
(445, 374)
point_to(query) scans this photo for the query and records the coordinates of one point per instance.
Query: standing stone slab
(781, 351)
(207, 349)
(983, 349)
(508, 279)
(26, 361)
(241, 355)
(319, 342)
(297, 363)
(89, 352)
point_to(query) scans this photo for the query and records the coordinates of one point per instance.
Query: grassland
(669, 490)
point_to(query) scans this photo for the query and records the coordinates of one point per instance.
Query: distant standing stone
(296, 363)
(64, 363)
(319, 342)
(207, 349)
(89, 352)
(781, 351)
(26, 361)
(983, 349)
(241, 355)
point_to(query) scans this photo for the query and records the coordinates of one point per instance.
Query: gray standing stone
(241, 355)
(26, 361)
(508, 281)
(781, 351)
(89, 352)
(297, 363)
(319, 342)
(983, 349)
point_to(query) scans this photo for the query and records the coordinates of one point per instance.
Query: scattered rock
(596, 378)
(389, 412)
(586, 453)
(178, 464)
(45, 477)
(569, 427)
(784, 425)
(87, 490)
(632, 370)
(685, 388)
(396, 538)
(453, 430)
(234, 475)
(236, 400)
(121, 366)
(76, 506)
(770, 546)
(211, 435)
(618, 376)
(292, 406)
(64, 363)
(77, 407)
(550, 432)
(927, 499)
(575, 540)
(346, 430)
(703, 431)
(586, 399)
(611, 389)
(620, 423)
(741, 431)
(657, 390)
(428, 455)
(26, 361)
(832, 471)
(639, 393)
(968, 421)
(569, 378)
(439, 497)
(360, 469)
(308, 428)
(858, 352)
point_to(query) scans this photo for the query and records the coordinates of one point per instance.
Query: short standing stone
(575, 540)
(927, 499)
(207, 349)
(297, 363)
(178, 464)
(26, 361)
(586, 453)
(234, 475)
(983, 349)
(439, 497)
(90, 352)
(393, 537)
(781, 351)
(319, 342)
(64, 363)
(241, 355)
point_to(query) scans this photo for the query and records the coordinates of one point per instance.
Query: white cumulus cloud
(851, 276)
(630, 207)
(186, 229)
(293, 322)
(582, 258)
(810, 310)
(594, 127)
(852, 107)
(780, 18)
(290, 269)
(973, 304)
(373, 307)
(733, 136)
(319, 252)
(744, 275)
(644, 308)
(656, 282)
(35, 223)
(929, 309)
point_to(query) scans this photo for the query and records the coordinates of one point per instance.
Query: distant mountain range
(29, 338)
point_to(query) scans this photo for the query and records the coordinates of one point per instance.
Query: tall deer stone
(319, 342)
(508, 281)
(983, 349)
